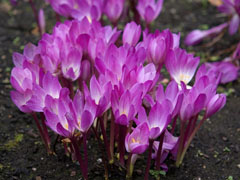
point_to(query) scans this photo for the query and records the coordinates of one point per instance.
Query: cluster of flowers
(82, 76)
(93, 9)
(229, 7)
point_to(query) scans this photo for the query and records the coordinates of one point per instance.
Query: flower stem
(103, 152)
(105, 137)
(180, 147)
(45, 130)
(121, 144)
(174, 124)
(159, 152)
(79, 158)
(112, 131)
(136, 14)
(85, 152)
(130, 167)
(190, 139)
(35, 15)
(149, 159)
(41, 132)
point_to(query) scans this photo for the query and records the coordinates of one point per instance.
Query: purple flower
(56, 111)
(173, 95)
(82, 112)
(22, 79)
(71, 65)
(131, 33)
(181, 65)
(215, 104)
(226, 70)
(158, 119)
(113, 9)
(196, 36)
(137, 141)
(100, 92)
(50, 87)
(193, 103)
(125, 106)
(92, 9)
(158, 45)
(21, 99)
(232, 8)
(149, 9)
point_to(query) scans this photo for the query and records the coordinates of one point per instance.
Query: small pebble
(99, 160)
(38, 178)
(73, 173)
(204, 167)
(34, 169)
(224, 139)
(139, 172)
(238, 166)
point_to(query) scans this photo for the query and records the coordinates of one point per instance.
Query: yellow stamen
(66, 126)
(134, 140)
(184, 78)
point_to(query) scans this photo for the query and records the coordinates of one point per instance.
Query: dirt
(214, 153)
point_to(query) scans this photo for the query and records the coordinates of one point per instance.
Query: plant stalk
(149, 159)
(190, 139)
(41, 132)
(159, 152)
(180, 147)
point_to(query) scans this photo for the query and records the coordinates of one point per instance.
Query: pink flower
(158, 119)
(149, 9)
(131, 33)
(113, 9)
(137, 141)
(181, 65)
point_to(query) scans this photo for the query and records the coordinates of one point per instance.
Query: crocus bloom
(131, 33)
(215, 104)
(173, 94)
(22, 79)
(92, 9)
(50, 86)
(192, 104)
(99, 92)
(196, 36)
(149, 9)
(181, 65)
(113, 9)
(137, 141)
(125, 106)
(71, 65)
(55, 113)
(226, 70)
(232, 8)
(21, 100)
(82, 112)
(158, 45)
(158, 119)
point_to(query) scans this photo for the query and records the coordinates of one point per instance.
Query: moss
(1, 167)
(13, 143)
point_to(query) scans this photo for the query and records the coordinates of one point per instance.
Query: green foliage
(157, 173)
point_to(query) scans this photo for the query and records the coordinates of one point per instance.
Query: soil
(213, 155)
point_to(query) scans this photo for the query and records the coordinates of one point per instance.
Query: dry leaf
(216, 2)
